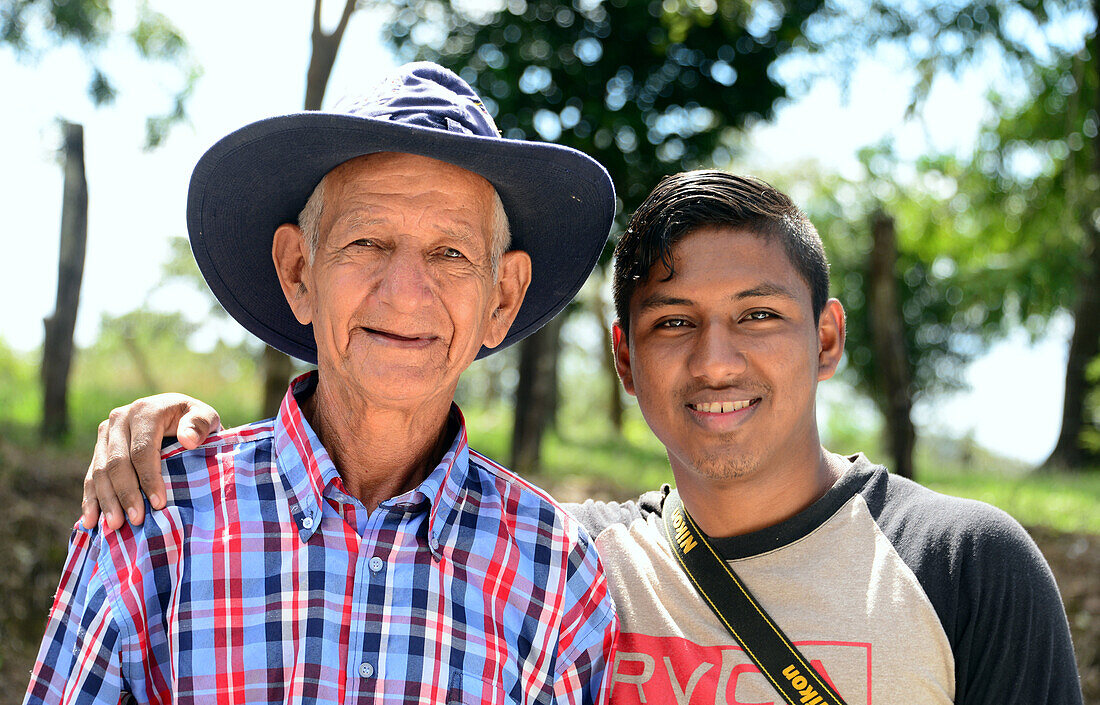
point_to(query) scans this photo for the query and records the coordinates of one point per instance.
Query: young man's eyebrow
(766, 289)
(760, 290)
(662, 300)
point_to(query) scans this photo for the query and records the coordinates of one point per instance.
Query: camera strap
(765, 643)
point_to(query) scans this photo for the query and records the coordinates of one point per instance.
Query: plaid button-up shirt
(264, 582)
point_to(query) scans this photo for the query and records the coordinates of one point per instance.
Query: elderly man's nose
(405, 285)
(717, 354)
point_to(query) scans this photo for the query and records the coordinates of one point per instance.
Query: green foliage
(949, 37)
(645, 87)
(145, 352)
(155, 37)
(181, 268)
(32, 27)
(1035, 175)
(20, 398)
(985, 243)
(951, 304)
(136, 354)
(29, 26)
(1059, 500)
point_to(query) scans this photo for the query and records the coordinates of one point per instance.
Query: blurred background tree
(31, 28)
(930, 317)
(935, 259)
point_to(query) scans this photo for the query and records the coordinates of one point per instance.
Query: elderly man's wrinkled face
(401, 291)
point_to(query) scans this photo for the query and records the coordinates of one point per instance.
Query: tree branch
(317, 20)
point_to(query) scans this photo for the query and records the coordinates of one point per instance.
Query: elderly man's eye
(452, 253)
(364, 242)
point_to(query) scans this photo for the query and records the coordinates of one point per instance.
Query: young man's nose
(717, 354)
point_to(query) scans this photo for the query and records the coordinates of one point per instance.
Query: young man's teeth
(722, 407)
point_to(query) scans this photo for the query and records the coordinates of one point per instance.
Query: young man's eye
(672, 323)
(760, 315)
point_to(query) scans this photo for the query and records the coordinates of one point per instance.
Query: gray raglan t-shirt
(895, 593)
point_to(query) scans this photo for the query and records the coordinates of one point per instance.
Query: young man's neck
(764, 497)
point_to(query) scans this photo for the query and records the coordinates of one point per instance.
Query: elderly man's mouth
(413, 341)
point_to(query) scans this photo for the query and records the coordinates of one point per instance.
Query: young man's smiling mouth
(723, 407)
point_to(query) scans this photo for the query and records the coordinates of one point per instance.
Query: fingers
(198, 422)
(120, 480)
(149, 420)
(89, 505)
(126, 460)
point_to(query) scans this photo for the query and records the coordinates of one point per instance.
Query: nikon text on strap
(760, 637)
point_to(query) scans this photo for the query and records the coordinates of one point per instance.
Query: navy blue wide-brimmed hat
(560, 202)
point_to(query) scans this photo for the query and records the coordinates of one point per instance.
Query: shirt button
(307, 523)
(375, 564)
(366, 670)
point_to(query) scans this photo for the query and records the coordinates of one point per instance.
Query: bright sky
(255, 65)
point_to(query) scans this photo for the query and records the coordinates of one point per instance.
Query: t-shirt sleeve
(1012, 641)
(992, 590)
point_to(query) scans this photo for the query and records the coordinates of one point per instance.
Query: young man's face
(725, 356)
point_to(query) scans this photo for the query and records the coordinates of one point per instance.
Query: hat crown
(424, 94)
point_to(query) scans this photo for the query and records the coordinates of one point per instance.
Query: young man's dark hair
(687, 201)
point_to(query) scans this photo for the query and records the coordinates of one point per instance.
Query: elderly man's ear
(290, 253)
(514, 276)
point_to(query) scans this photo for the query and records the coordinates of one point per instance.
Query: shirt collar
(307, 469)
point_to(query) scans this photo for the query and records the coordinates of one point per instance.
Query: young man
(893, 593)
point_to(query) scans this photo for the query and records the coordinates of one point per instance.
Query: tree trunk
(1084, 346)
(536, 394)
(277, 367)
(323, 54)
(277, 370)
(888, 340)
(57, 348)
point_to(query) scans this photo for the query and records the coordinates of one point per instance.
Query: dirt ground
(39, 502)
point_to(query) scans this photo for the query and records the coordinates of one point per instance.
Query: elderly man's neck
(380, 451)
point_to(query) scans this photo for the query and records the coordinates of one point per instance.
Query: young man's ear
(290, 253)
(830, 339)
(620, 347)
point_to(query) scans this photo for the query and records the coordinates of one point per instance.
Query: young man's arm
(126, 460)
(79, 660)
(1012, 641)
(992, 590)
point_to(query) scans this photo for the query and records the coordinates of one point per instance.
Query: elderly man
(353, 548)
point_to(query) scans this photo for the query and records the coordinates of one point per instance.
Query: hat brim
(560, 205)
